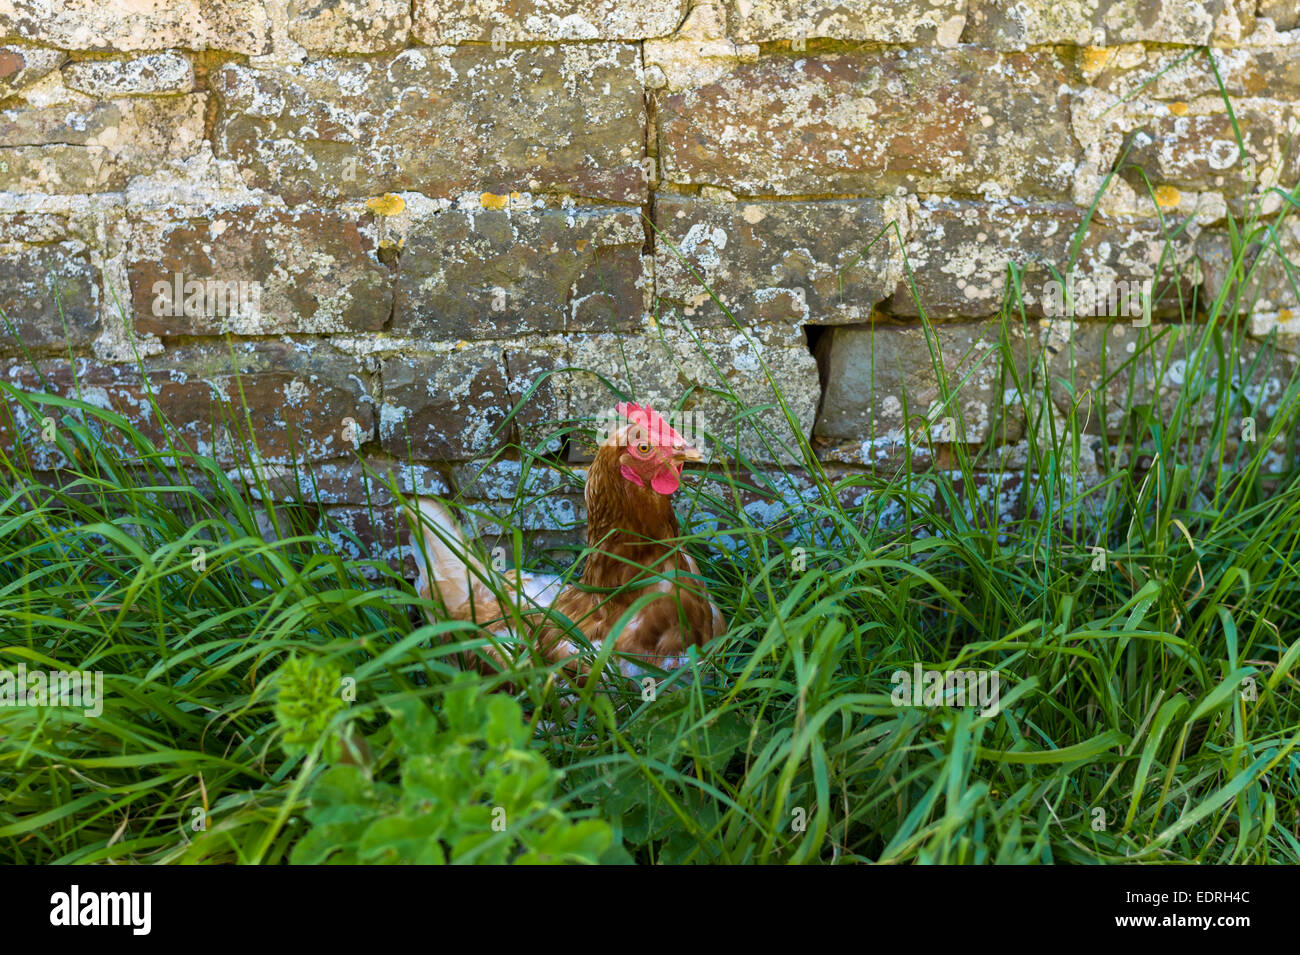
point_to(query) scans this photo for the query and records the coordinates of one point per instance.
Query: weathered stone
(1112, 373)
(349, 26)
(697, 54)
(448, 406)
(193, 485)
(534, 392)
(994, 500)
(424, 185)
(1284, 13)
(240, 26)
(1091, 361)
(674, 372)
(235, 25)
(304, 400)
(959, 251)
(120, 389)
(495, 272)
(165, 72)
(1181, 157)
(503, 479)
(297, 402)
(59, 169)
(161, 125)
(964, 120)
(22, 66)
(1273, 268)
(507, 497)
(892, 452)
(341, 482)
(33, 228)
(1016, 24)
(882, 382)
(781, 263)
(49, 294)
(72, 146)
(937, 22)
(1176, 79)
(375, 533)
(1200, 151)
(767, 496)
(1236, 23)
(441, 122)
(533, 21)
(258, 271)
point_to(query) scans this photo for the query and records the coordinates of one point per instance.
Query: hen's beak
(687, 453)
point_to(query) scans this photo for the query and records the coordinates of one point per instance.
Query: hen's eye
(643, 449)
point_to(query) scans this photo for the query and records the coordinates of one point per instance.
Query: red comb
(658, 431)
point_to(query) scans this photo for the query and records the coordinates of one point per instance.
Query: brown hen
(632, 561)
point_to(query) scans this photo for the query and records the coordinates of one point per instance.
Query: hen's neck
(624, 521)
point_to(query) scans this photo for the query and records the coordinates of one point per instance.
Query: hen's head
(649, 452)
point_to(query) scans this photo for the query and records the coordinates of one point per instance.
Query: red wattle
(666, 481)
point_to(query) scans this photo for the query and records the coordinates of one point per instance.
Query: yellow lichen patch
(1178, 109)
(1094, 57)
(386, 205)
(1167, 196)
(582, 244)
(490, 201)
(1285, 315)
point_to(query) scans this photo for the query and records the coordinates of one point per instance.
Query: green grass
(1159, 690)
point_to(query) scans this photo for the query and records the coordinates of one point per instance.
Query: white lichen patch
(547, 21)
(195, 185)
(879, 21)
(165, 72)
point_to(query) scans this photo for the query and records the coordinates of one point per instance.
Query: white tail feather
(445, 561)
(448, 568)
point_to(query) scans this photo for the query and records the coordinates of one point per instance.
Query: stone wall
(410, 216)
